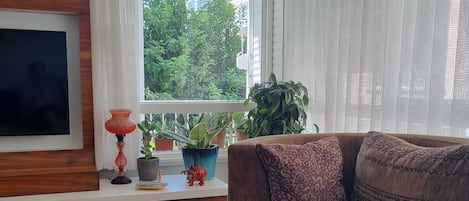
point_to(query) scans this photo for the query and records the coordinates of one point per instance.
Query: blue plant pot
(206, 158)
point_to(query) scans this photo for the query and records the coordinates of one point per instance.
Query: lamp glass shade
(120, 123)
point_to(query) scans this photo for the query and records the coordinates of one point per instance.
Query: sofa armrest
(247, 179)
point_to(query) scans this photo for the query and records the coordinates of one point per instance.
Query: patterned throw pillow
(389, 168)
(309, 172)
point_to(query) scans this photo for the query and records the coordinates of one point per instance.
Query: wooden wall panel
(73, 6)
(23, 173)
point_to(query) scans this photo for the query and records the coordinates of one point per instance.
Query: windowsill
(169, 160)
(193, 106)
(177, 189)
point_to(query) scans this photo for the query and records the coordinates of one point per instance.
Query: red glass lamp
(120, 125)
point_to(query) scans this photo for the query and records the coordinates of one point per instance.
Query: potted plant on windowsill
(239, 122)
(147, 165)
(280, 108)
(198, 149)
(162, 143)
(217, 120)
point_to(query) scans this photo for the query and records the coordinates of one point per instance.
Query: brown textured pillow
(389, 168)
(312, 171)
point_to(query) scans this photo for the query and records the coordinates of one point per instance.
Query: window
(199, 56)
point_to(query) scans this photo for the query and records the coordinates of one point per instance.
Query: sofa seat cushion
(389, 168)
(312, 171)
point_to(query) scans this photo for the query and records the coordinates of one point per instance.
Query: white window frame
(195, 106)
(171, 158)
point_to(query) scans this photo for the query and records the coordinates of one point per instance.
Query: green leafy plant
(148, 129)
(239, 120)
(160, 127)
(280, 108)
(204, 130)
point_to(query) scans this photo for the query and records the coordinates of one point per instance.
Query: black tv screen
(33, 83)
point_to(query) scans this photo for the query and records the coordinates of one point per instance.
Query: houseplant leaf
(198, 132)
(281, 107)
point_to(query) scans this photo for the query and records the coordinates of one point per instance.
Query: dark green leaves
(280, 108)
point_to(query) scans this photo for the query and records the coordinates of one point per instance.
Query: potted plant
(280, 108)
(162, 143)
(183, 124)
(217, 120)
(239, 122)
(147, 165)
(198, 149)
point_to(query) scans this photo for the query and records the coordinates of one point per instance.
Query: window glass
(195, 49)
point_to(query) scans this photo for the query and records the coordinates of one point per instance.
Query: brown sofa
(247, 179)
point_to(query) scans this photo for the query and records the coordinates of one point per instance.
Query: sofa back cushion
(389, 168)
(312, 171)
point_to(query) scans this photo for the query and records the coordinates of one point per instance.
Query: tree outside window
(190, 49)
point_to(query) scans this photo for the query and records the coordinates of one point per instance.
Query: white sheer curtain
(385, 65)
(116, 48)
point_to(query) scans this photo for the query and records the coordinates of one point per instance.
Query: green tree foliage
(191, 54)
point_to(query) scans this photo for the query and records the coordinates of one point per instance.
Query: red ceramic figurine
(195, 173)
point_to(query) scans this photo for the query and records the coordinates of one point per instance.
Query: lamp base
(121, 180)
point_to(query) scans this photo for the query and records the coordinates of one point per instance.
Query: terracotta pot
(164, 144)
(241, 134)
(220, 139)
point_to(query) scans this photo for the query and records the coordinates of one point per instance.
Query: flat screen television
(34, 92)
(40, 81)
